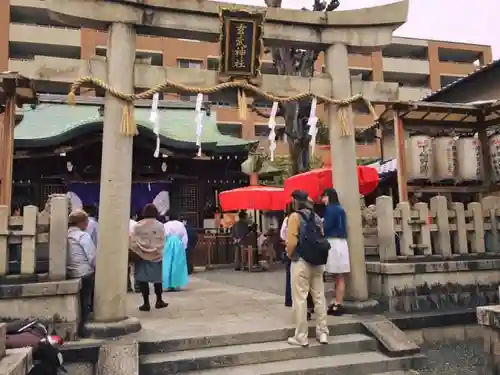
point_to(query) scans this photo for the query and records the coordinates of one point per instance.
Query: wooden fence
(439, 230)
(35, 237)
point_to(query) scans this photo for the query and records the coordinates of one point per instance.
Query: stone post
(385, 229)
(119, 357)
(345, 177)
(114, 200)
(488, 317)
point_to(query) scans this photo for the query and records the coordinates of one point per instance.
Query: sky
(451, 20)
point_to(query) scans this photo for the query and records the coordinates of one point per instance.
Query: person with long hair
(335, 228)
(147, 242)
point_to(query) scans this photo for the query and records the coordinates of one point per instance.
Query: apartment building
(418, 66)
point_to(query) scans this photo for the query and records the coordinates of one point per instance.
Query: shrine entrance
(239, 71)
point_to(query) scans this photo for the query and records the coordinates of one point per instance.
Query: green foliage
(282, 162)
(323, 135)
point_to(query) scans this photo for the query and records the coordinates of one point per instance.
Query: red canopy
(315, 182)
(263, 198)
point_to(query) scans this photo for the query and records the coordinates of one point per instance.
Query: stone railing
(436, 256)
(439, 230)
(35, 237)
(33, 283)
(488, 317)
(13, 361)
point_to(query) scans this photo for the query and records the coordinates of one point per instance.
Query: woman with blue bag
(175, 270)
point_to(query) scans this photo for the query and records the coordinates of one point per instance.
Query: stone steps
(249, 354)
(365, 363)
(155, 345)
(353, 349)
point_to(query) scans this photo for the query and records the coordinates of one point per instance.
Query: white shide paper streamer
(154, 118)
(312, 122)
(272, 130)
(199, 121)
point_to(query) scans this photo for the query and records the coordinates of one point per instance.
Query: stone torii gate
(332, 32)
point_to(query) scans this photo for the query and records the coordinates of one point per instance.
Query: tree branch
(296, 62)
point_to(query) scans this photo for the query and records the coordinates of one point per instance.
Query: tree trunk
(297, 62)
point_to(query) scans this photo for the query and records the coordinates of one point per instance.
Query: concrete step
(362, 363)
(248, 354)
(16, 362)
(155, 345)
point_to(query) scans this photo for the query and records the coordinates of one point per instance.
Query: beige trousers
(305, 278)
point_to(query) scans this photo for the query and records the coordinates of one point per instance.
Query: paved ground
(227, 301)
(209, 307)
(272, 281)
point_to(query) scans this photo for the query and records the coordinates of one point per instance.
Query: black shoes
(160, 304)
(335, 309)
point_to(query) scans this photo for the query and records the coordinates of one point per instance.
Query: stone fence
(439, 230)
(35, 236)
(438, 256)
(36, 244)
(13, 361)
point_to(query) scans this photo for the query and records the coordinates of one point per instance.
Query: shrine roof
(479, 72)
(458, 116)
(52, 124)
(439, 117)
(13, 83)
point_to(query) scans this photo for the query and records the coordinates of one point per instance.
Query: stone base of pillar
(357, 307)
(104, 330)
(119, 357)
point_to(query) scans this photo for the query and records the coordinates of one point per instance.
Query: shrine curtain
(142, 194)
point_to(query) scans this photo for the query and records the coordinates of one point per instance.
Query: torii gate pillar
(345, 177)
(110, 318)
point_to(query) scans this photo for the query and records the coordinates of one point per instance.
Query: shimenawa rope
(130, 128)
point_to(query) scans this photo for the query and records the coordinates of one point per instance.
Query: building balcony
(402, 65)
(28, 3)
(456, 68)
(47, 36)
(48, 68)
(413, 93)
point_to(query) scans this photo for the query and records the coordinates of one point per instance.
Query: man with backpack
(308, 250)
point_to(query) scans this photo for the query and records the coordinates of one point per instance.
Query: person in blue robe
(175, 270)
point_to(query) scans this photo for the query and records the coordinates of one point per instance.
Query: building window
(234, 130)
(190, 64)
(154, 58)
(262, 103)
(213, 63)
(262, 131)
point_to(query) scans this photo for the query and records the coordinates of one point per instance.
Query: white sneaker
(322, 338)
(294, 341)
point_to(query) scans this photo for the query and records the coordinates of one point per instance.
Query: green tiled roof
(51, 124)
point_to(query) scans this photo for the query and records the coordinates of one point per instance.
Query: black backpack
(313, 247)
